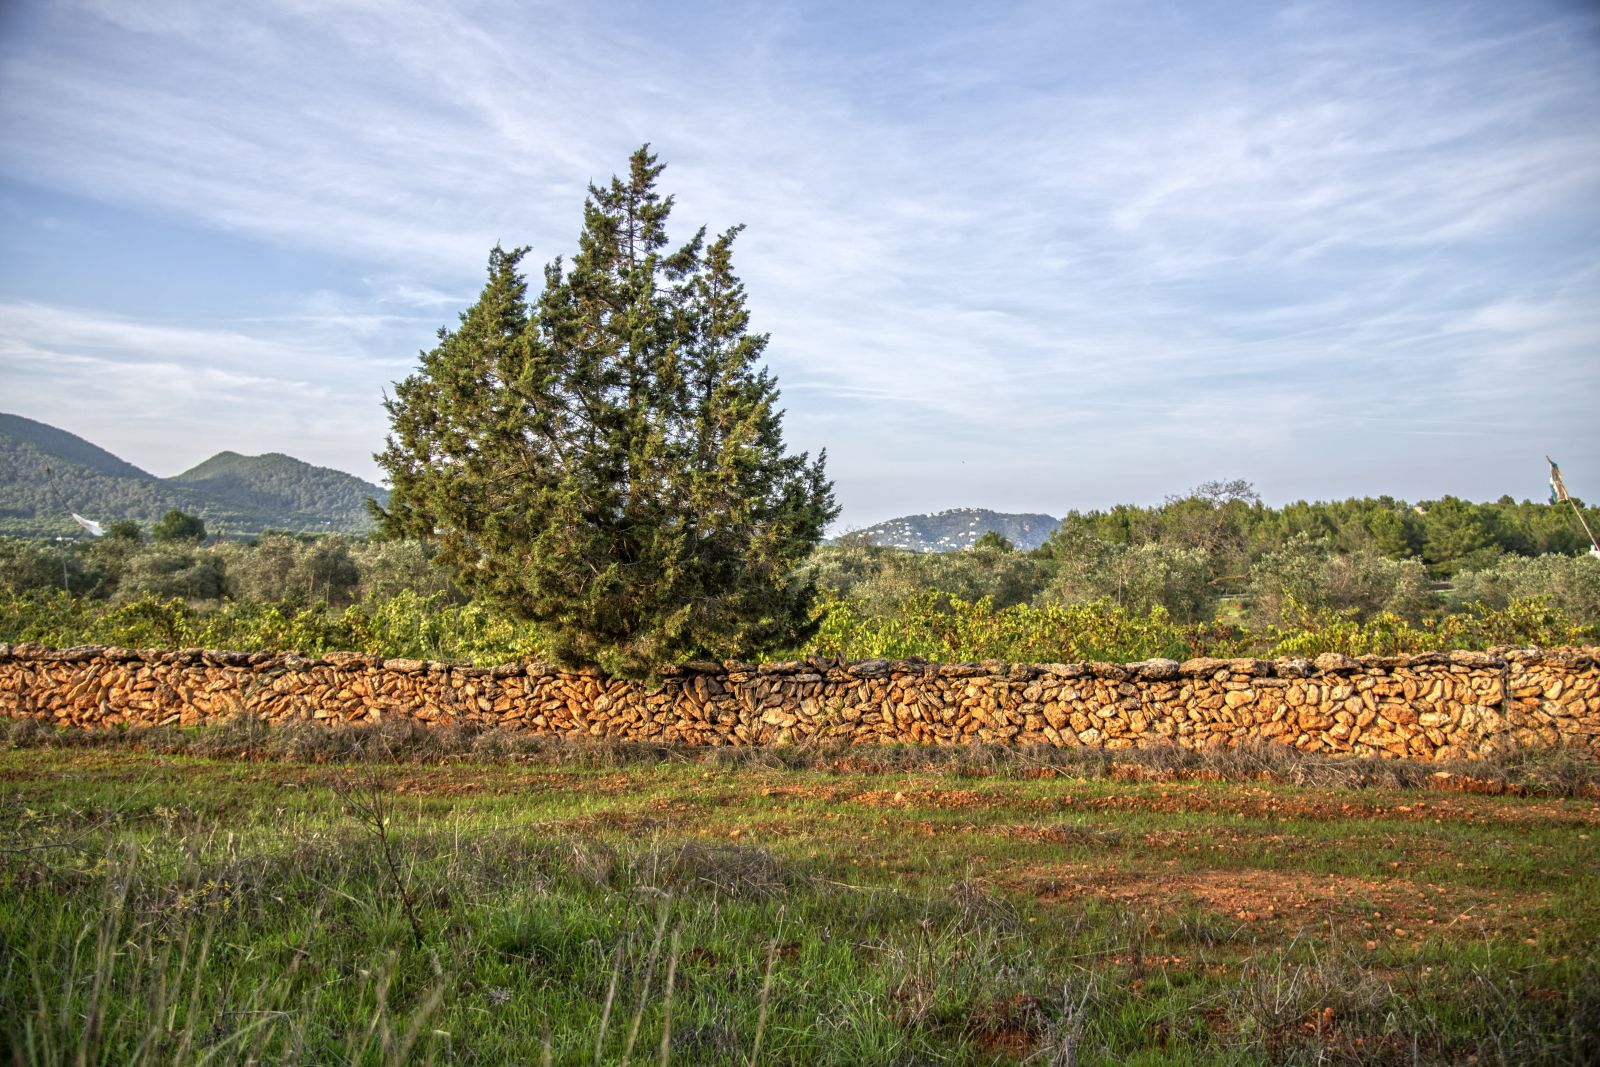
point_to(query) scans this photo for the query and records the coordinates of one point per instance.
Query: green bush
(878, 580)
(389, 568)
(1305, 576)
(36, 566)
(285, 569)
(1571, 584)
(939, 627)
(405, 625)
(1136, 577)
(930, 625)
(172, 570)
(172, 622)
(178, 528)
(48, 618)
(1521, 623)
(433, 627)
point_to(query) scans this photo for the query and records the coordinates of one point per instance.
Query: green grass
(164, 908)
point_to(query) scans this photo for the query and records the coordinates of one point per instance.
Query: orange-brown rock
(1435, 706)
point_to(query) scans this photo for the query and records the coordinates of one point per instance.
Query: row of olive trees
(1304, 575)
(1127, 599)
(1228, 521)
(277, 568)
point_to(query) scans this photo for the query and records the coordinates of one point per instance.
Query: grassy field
(160, 907)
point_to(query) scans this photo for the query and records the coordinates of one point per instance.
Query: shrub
(940, 627)
(433, 627)
(1137, 577)
(285, 569)
(1523, 623)
(389, 568)
(172, 570)
(1570, 584)
(1303, 576)
(34, 566)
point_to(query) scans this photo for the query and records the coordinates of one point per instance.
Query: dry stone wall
(1434, 706)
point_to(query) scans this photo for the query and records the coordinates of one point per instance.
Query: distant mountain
(957, 528)
(308, 496)
(46, 472)
(65, 447)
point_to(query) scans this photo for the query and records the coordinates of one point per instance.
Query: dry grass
(1560, 772)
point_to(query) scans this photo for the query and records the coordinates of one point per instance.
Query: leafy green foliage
(927, 625)
(30, 566)
(434, 628)
(172, 571)
(279, 568)
(405, 625)
(1138, 578)
(1571, 584)
(179, 528)
(1217, 573)
(390, 568)
(123, 530)
(1522, 623)
(606, 461)
(1304, 575)
(878, 579)
(1232, 526)
(156, 622)
(944, 628)
(1322, 589)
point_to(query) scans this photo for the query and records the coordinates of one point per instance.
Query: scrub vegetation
(1080, 596)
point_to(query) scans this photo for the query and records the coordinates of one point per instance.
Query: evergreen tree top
(606, 461)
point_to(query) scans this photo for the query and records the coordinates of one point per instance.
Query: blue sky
(1031, 257)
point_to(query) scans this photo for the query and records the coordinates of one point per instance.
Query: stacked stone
(1433, 706)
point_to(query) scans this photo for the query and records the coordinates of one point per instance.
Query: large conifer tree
(607, 462)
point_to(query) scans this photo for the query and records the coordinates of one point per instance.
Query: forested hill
(284, 485)
(238, 495)
(957, 528)
(64, 448)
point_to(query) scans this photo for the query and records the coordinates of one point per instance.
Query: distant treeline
(1220, 571)
(1215, 572)
(1221, 532)
(1229, 522)
(276, 568)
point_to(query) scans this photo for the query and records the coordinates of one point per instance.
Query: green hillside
(239, 495)
(66, 448)
(307, 496)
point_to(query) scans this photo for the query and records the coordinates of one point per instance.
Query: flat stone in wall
(1456, 705)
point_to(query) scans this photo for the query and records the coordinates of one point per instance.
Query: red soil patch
(1255, 802)
(1376, 910)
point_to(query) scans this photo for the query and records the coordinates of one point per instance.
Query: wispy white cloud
(164, 396)
(1106, 233)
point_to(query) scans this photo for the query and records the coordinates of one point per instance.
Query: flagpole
(1559, 486)
(1578, 512)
